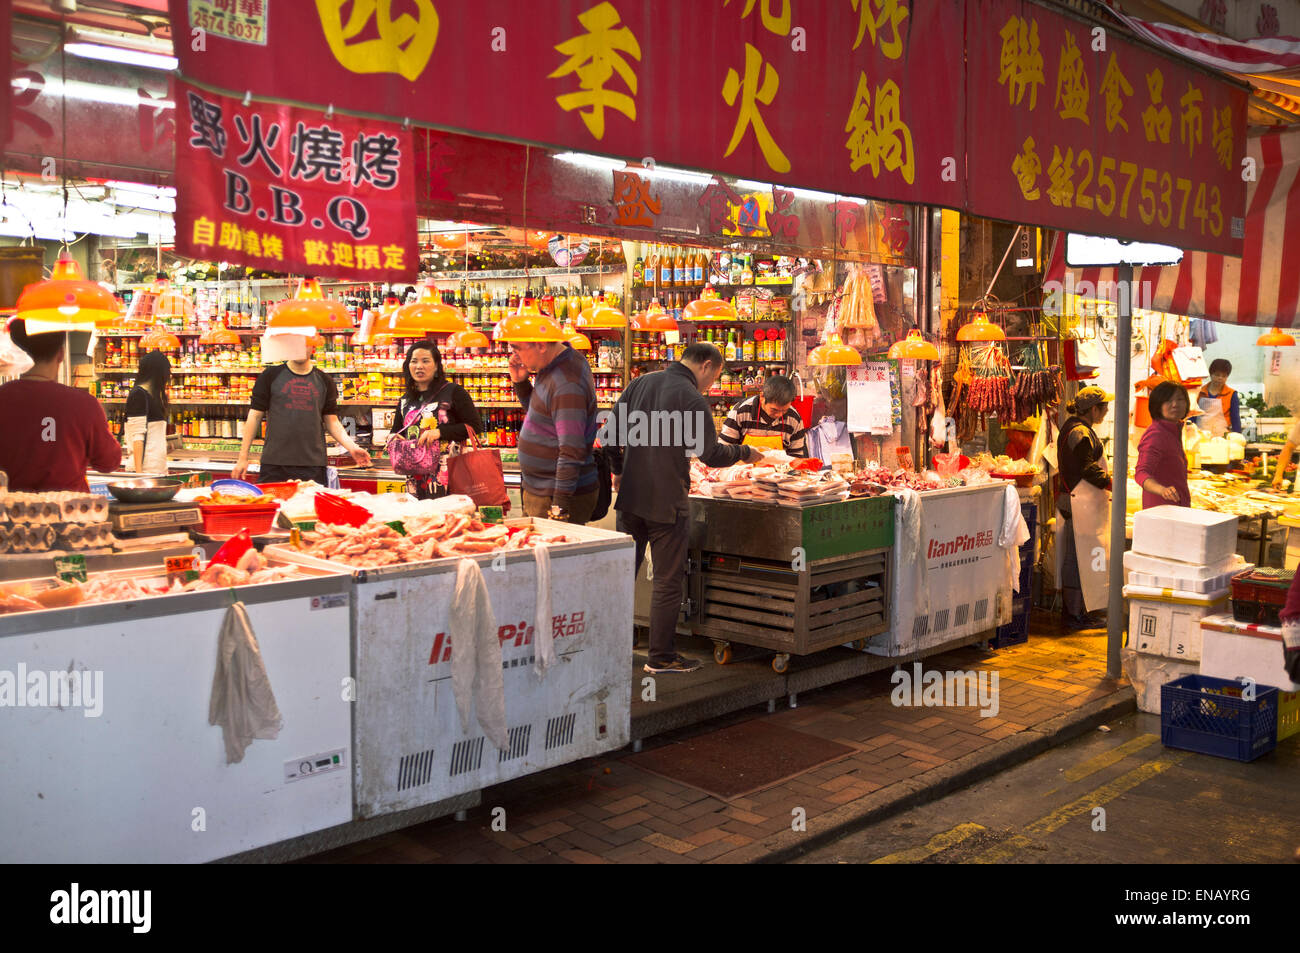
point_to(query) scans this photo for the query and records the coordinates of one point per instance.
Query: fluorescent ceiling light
(588, 161)
(111, 54)
(428, 226)
(801, 193)
(137, 200)
(91, 92)
(159, 190)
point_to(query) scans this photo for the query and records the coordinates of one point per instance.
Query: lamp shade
(914, 347)
(528, 324)
(219, 334)
(172, 304)
(1275, 338)
(708, 306)
(160, 340)
(601, 317)
(834, 353)
(309, 308)
(980, 328)
(580, 341)
(655, 318)
(66, 302)
(417, 320)
(468, 338)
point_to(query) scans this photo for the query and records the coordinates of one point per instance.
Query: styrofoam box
(1184, 534)
(1184, 577)
(1169, 626)
(1256, 655)
(1148, 673)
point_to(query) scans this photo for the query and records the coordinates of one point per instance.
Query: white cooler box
(1148, 673)
(1168, 622)
(1152, 572)
(1232, 649)
(1185, 535)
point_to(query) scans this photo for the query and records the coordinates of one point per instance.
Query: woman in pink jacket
(1162, 462)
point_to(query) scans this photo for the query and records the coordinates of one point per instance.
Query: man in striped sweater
(555, 459)
(770, 414)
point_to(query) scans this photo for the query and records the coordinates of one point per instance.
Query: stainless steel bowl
(146, 490)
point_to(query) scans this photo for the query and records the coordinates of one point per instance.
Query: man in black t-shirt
(300, 403)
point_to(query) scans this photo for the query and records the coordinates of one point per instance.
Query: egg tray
(52, 508)
(22, 538)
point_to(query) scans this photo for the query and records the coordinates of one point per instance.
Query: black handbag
(604, 484)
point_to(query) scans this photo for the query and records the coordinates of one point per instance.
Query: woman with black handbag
(433, 414)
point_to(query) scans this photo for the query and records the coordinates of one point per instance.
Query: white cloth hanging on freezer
(476, 675)
(1014, 534)
(242, 701)
(911, 540)
(544, 637)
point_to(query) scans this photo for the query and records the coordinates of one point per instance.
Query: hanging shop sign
(467, 178)
(1073, 127)
(860, 99)
(293, 190)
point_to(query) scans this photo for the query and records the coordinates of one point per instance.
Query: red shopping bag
(477, 473)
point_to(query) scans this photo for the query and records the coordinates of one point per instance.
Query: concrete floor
(1161, 806)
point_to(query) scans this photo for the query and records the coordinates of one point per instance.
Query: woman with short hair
(1162, 461)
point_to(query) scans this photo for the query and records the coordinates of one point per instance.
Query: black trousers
(668, 547)
(1071, 587)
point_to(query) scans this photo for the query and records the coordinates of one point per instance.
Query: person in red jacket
(1161, 462)
(52, 432)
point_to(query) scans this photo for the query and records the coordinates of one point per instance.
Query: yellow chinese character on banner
(252, 244)
(316, 252)
(1189, 126)
(595, 56)
(394, 256)
(773, 23)
(272, 247)
(230, 237)
(1071, 82)
(1027, 167)
(1021, 62)
(342, 253)
(1156, 119)
(891, 14)
(204, 230)
(882, 137)
(1061, 172)
(1115, 85)
(367, 257)
(401, 45)
(1223, 135)
(754, 93)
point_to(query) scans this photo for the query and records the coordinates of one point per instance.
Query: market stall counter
(107, 749)
(424, 726)
(794, 579)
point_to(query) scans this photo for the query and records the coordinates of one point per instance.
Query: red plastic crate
(224, 519)
(1259, 596)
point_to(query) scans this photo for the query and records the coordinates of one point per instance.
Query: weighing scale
(152, 519)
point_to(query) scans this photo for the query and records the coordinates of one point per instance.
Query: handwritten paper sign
(870, 403)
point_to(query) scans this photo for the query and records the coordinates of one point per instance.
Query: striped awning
(1260, 288)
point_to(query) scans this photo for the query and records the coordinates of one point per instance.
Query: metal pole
(1119, 493)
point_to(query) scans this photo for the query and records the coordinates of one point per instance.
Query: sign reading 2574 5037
(243, 20)
(287, 189)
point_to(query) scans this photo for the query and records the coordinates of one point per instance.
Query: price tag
(390, 486)
(181, 568)
(71, 568)
(295, 538)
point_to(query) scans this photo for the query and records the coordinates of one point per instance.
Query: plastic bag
(13, 359)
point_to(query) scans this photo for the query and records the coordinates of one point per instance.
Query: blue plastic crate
(1026, 575)
(1208, 715)
(1017, 630)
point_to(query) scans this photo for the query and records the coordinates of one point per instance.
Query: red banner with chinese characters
(1072, 127)
(289, 190)
(855, 98)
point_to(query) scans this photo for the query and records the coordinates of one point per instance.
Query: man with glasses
(555, 458)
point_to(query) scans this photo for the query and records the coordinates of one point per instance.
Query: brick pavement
(606, 810)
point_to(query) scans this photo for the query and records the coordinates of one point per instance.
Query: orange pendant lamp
(309, 312)
(66, 301)
(980, 328)
(468, 338)
(220, 334)
(1275, 338)
(655, 318)
(709, 307)
(914, 347)
(428, 315)
(528, 324)
(834, 353)
(600, 317)
(159, 339)
(580, 341)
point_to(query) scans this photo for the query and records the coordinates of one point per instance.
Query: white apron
(154, 435)
(1091, 519)
(1212, 418)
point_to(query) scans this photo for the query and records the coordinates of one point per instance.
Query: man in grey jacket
(659, 421)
